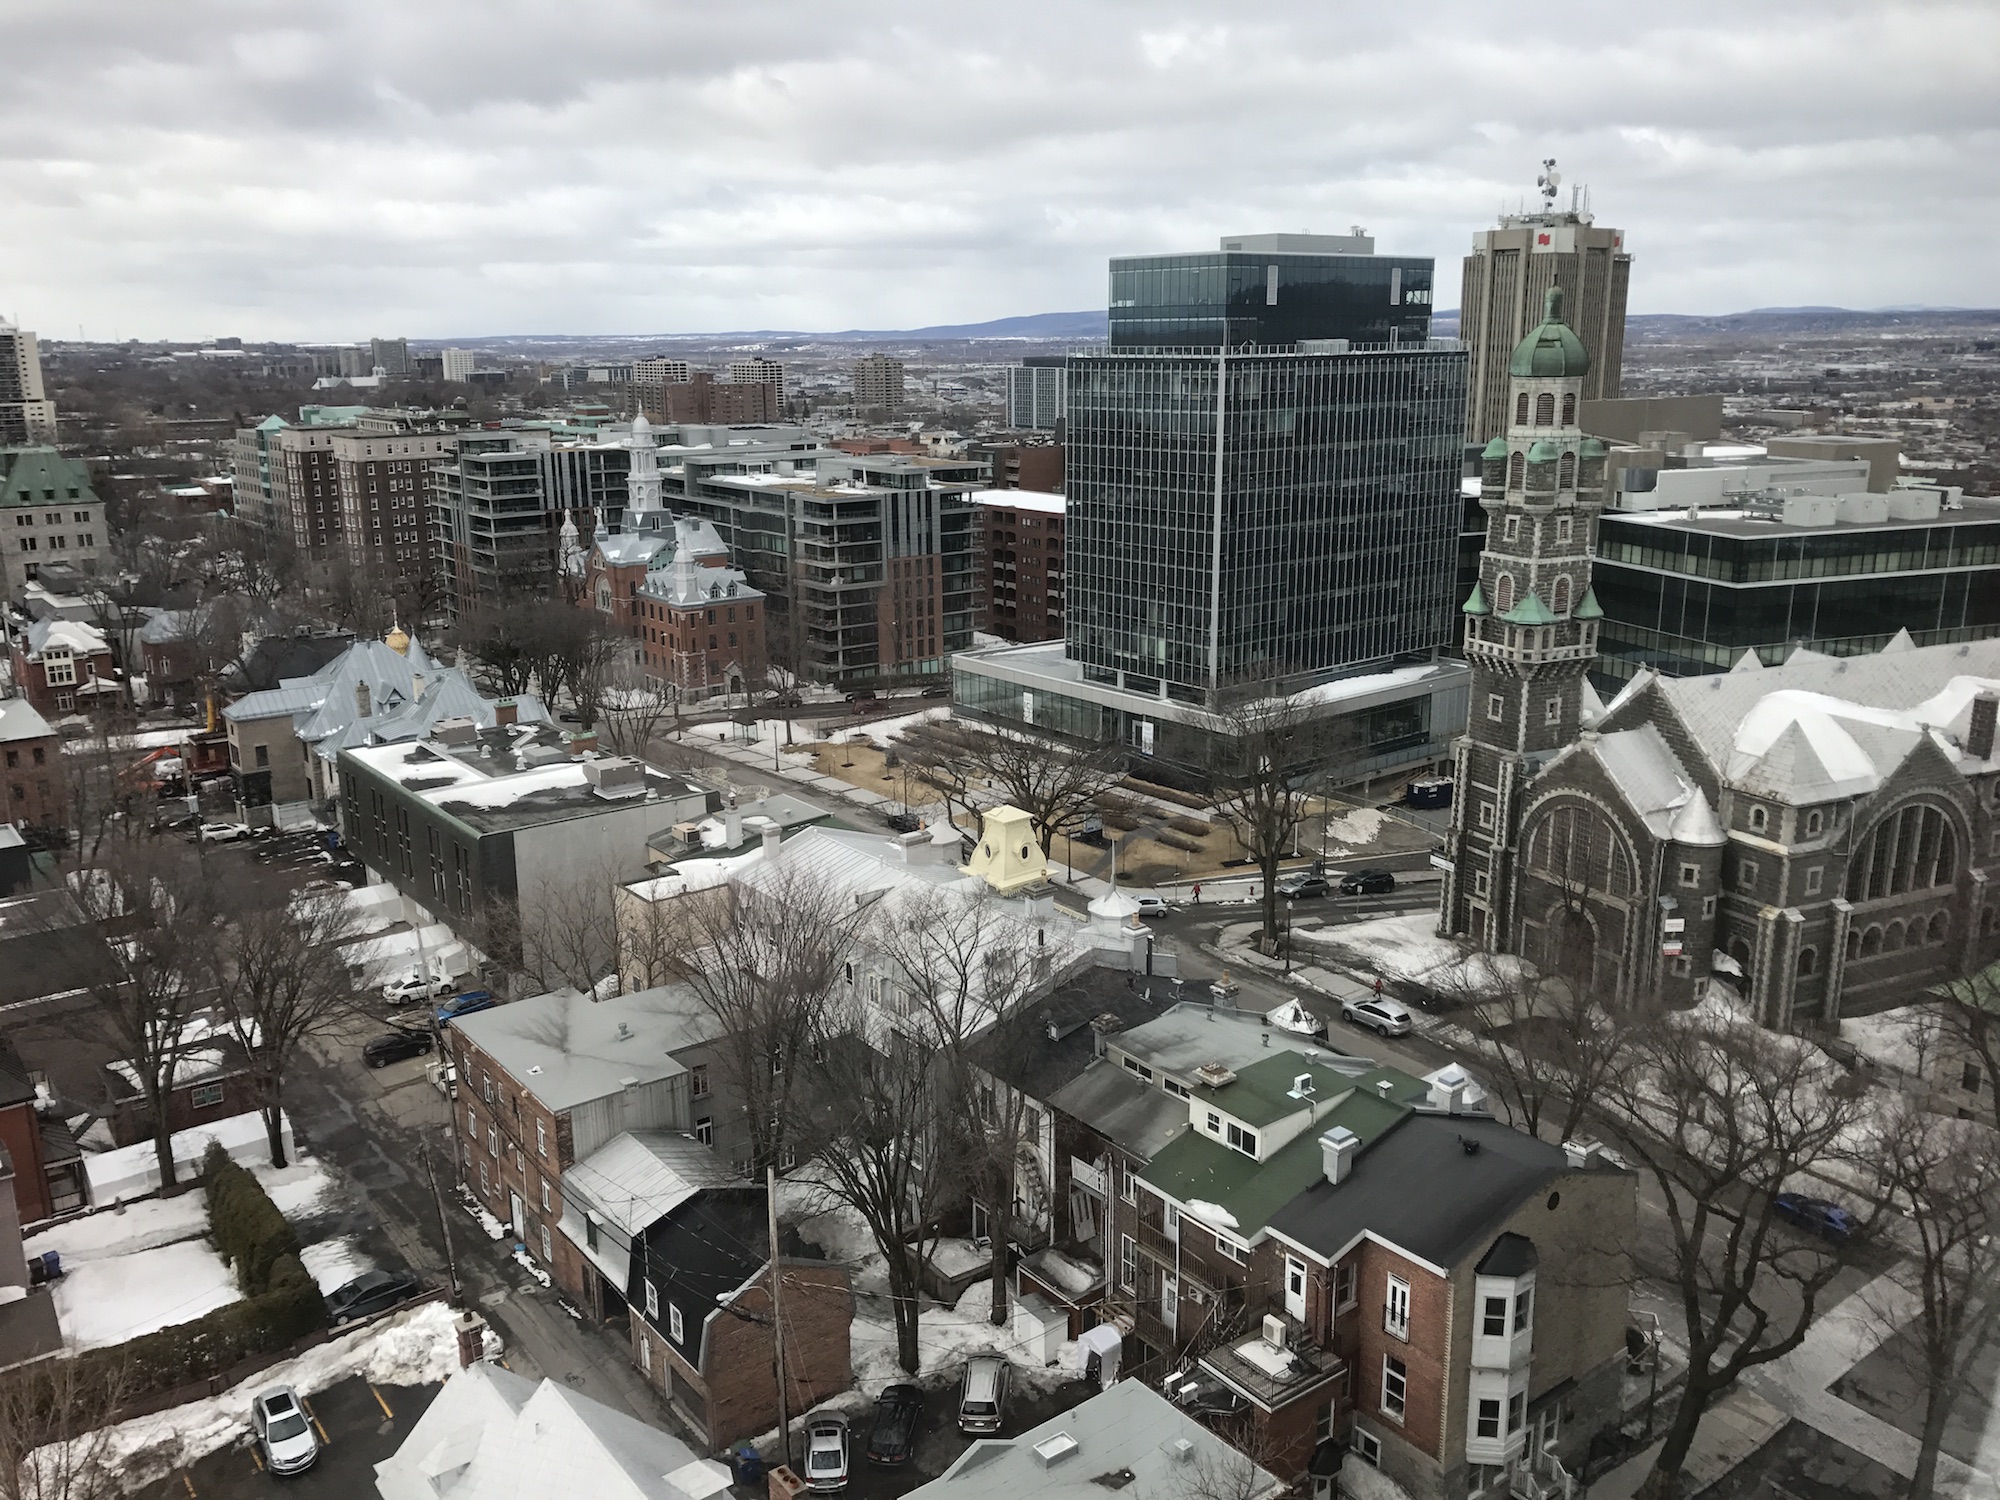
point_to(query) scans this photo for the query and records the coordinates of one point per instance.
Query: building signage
(1674, 924)
(1439, 862)
(1670, 948)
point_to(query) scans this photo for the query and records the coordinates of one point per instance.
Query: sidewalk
(1735, 1427)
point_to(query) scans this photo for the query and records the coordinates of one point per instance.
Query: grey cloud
(445, 167)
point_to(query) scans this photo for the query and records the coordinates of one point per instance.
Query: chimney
(505, 712)
(1336, 1153)
(1582, 1154)
(1449, 1087)
(773, 836)
(582, 744)
(1979, 737)
(732, 828)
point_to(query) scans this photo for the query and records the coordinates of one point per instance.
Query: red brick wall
(132, 1122)
(21, 1134)
(527, 1157)
(1424, 1354)
(33, 773)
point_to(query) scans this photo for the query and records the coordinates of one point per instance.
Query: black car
(899, 1418)
(1367, 883)
(904, 822)
(1815, 1215)
(366, 1295)
(395, 1046)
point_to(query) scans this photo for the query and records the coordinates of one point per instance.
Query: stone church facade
(1824, 833)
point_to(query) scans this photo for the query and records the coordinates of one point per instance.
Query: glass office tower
(1246, 515)
(1272, 291)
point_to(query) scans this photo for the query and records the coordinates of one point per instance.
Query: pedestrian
(1197, 893)
(1378, 986)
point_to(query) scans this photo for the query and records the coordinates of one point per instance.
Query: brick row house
(1241, 1206)
(594, 1131)
(31, 768)
(64, 667)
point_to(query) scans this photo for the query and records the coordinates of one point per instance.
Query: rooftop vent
(624, 1031)
(1215, 1074)
(1337, 1148)
(1053, 1450)
(1181, 1450)
(1469, 1145)
(1385, 1088)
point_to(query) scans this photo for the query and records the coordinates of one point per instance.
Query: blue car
(465, 1005)
(1814, 1215)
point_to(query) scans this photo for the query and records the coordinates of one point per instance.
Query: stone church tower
(1530, 624)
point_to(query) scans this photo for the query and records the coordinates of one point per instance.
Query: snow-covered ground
(1361, 826)
(334, 1263)
(1905, 1039)
(882, 731)
(799, 737)
(117, 1298)
(134, 1172)
(417, 1347)
(1408, 947)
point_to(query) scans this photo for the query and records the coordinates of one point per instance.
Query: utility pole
(444, 1222)
(777, 1318)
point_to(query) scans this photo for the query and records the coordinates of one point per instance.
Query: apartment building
(878, 382)
(311, 478)
(1021, 563)
(35, 793)
(760, 371)
(383, 480)
(489, 527)
(703, 398)
(48, 514)
(26, 414)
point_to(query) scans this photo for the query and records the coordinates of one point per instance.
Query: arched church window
(1566, 472)
(1503, 593)
(1545, 410)
(1569, 409)
(1517, 470)
(1521, 410)
(1561, 595)
(1808, 962)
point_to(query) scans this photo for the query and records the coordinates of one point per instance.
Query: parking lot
(358, 1424)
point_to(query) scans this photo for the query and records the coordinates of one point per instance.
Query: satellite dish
(1552, 179)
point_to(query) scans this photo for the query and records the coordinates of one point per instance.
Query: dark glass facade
(1245, 515)
(1226, 299)
(1684, 601)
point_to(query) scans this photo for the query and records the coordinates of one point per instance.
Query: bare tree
(635, 706)
(153, 903)
(1945, 1174)
(280, 982)
(56, 1421)
(1968, 1019)
(560, 932)
(1722, 1116)
(1549, 1044)
(1053, 785)
(965, 963)
(1279, 758)
(768, 960)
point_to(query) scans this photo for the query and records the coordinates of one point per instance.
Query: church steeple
(642, 482)
(1531, 621)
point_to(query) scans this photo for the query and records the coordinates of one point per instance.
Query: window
(1524, 1309)
(1759, 819)
(1510, 529)
(486, 1086)
(1214, 1123)
(1562, 528)
(652, 1301)
(1344, 1291)
(1517, 1410)
(1242, 1140)
(1395, 1387)
(1129, 1190)
(1128, 1263)
(1396, 1308)
(1808, 962)
(545, 1195)
(1486, 815)
(1230, 1248)
(206, 1095)
(1496, 706)
(589, 1232)
(471, 1120)
(698, 1076)
(704, 1130)
(1144, 1074)
(1815, 877)
(1690, 874)
(548, 1252)
(1569, 408)
(541, 1138)
(675, 1328)
(1746, 874)
(1813, 824)
(1480, 882)
(263, 756)
(1970, 1078)
(1368, 1448)
(1552, 711)
(1175, 1087)
(1708, 906)
(1493, 1325)
(1521, 410)
(492, 1141)
(1545, 410)
(1489, 1417)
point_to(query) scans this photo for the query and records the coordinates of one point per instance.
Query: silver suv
(284, 1431)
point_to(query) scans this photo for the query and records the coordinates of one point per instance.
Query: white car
(1385, 1017)
(1152, 906)
(283, 1431)
(415, 989)
(223, 833)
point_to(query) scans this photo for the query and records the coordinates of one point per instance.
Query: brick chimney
(582, 745)
(1979, 736)
(506, 712)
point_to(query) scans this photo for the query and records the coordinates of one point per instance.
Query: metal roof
(566, 1049)
(637, 1178)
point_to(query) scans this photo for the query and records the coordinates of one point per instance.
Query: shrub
(209, 1345)
(1166, 793)
(245, 1224)
(1176, 841)
(1194, 828)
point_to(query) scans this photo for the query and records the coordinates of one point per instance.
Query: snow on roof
(475, 790)
(1645, 770)
(1035, 500)
(1372, 682)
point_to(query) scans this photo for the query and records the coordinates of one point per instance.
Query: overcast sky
(451, 168)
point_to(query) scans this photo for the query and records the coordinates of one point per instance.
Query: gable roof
(1038, 1048)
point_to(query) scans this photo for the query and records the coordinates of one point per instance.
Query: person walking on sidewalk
(1197, 893)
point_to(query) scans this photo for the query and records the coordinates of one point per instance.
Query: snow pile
(1362, 826)
(119, 1297)
(495, 1230)
(946, 1337)
(125, 1229)
(334, 1263)
(1213, 1214)
(955, 1257)
(526, 1263)
(418, 1347)
(1904, 1039)
(884, 731)
(299, 1190)
(134, 1171)
(1366, 1482)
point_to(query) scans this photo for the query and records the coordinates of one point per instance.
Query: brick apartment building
(311, 485)
(31, 768)
(703, 399)
(1021, 562)
(383, 484)
(1022, 466)
(63, 666)
(48, 1167)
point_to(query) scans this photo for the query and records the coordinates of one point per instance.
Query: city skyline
(451, 173)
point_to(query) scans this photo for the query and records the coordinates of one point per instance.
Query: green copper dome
(1530, 611)
(1593, 448)
(1543, 452)
(1589, 609)
(1475, 603)
(1552, 351)
(1495, 449)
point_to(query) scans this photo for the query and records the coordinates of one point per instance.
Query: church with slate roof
(1823, 834)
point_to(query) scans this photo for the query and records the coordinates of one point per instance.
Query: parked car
(370, 1293)
(1298, 887)
(904, 822)
(1387, 1017)
(935, 691)
(222, 833)
(414, 988)
(396, 1046)
(1152, 906)
(283, 1431)
(826, 1454)
(982, 1394)
(1814, 1215)
(899, 1418)
(1367, 883)
(863, 695)
(465, 1005)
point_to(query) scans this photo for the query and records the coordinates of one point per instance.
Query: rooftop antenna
(1548, 182)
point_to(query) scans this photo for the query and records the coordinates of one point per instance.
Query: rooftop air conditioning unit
(1215, 1074)
(1274, 1330)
